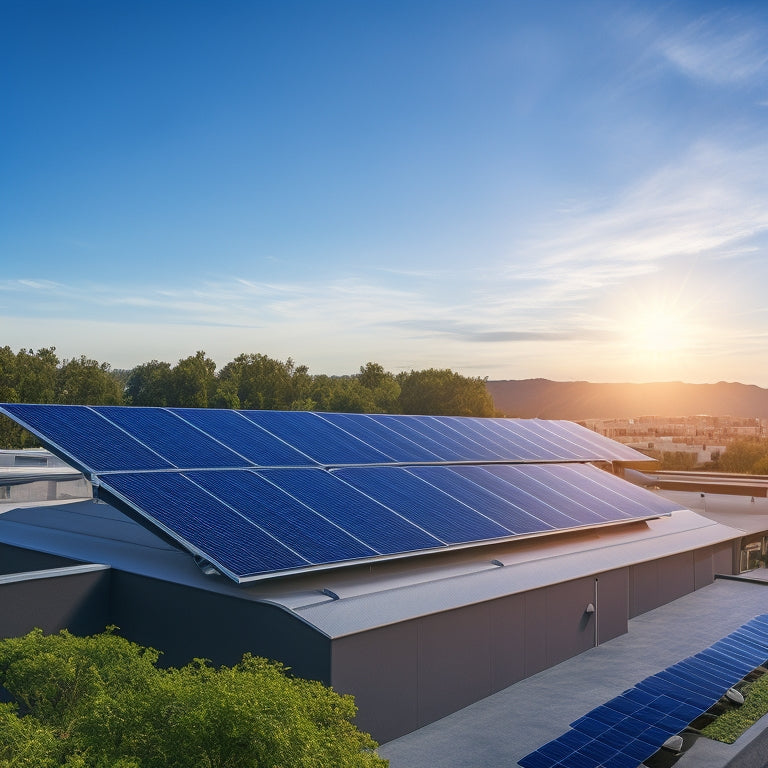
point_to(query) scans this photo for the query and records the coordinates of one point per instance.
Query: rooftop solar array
(628, 729)
(261, 493)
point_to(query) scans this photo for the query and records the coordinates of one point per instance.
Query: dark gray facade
(407, 675)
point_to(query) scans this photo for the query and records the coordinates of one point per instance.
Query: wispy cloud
(722, 48)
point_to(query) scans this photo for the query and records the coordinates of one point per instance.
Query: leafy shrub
(102, 702)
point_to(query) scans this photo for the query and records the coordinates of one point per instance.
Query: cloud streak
(721, 48)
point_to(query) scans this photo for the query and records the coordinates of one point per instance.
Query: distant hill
(575, 400)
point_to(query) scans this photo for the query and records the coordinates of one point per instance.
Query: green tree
(442, 392)
(82, 381)
(103, 702)
(744, 456)
(383, 386)
(261, 382)
(36, 375)
(149, 384)
(192, 382)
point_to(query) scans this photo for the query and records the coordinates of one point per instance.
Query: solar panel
(635, 724)
(204, 524)
(378, 526)
(399, 447)
(504, 510)
(439, 513)
(297, 526)
(79, 435)
(322, 441)
(176, 440)
(244, 437)
(405, 428)
(260, 493)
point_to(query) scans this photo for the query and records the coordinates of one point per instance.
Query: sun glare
(660, 333)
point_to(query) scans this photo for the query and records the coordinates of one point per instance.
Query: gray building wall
(185, 623)
(76, 601)
(19, 560)
(406, 675)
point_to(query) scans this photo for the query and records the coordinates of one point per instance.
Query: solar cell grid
(633, 499)
(243, 436)
(527, 479)
(180, 443)
(510, 430)
(495, 507)
(536, 432)
(482, 435)
(399, 447)
(295, 525)
(82, 437)
(377, 525)
(319, 439)
(206, 524)
(406, 429)
(464, 443)
(436, 512)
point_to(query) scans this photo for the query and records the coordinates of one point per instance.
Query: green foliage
(149, 384)
(444, 393)
(730, 725)
(102, 702)
(677, 461)
(87, 382)
(250, 381)
(749, 456)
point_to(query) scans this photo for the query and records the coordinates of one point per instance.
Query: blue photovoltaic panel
(243, 436)
(516, 430)
(436, 512)
(371, 522)
(255, 478)
(631, 727)
(500, 509)
(463, 444)
(363, 427)
(177, 441)
(489, 432)
(295, 525)
(550, 517)
(536, 485)
(610, 488)
(81, 437)
(535, 430)
(403, 427)
(193, 517)
(322, 441)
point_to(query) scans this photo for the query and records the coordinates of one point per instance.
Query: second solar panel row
(286, 519)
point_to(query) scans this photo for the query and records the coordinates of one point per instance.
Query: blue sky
(509, 189)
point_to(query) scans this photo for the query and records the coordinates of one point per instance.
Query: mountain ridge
(578, 400)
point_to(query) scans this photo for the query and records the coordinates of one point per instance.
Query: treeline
(748, 456)
(250, 381)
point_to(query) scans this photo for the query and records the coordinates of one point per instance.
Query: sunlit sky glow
(576, 191)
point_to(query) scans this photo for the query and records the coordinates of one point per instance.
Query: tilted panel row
(114, 438)
(311, 517)
(628, 729)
